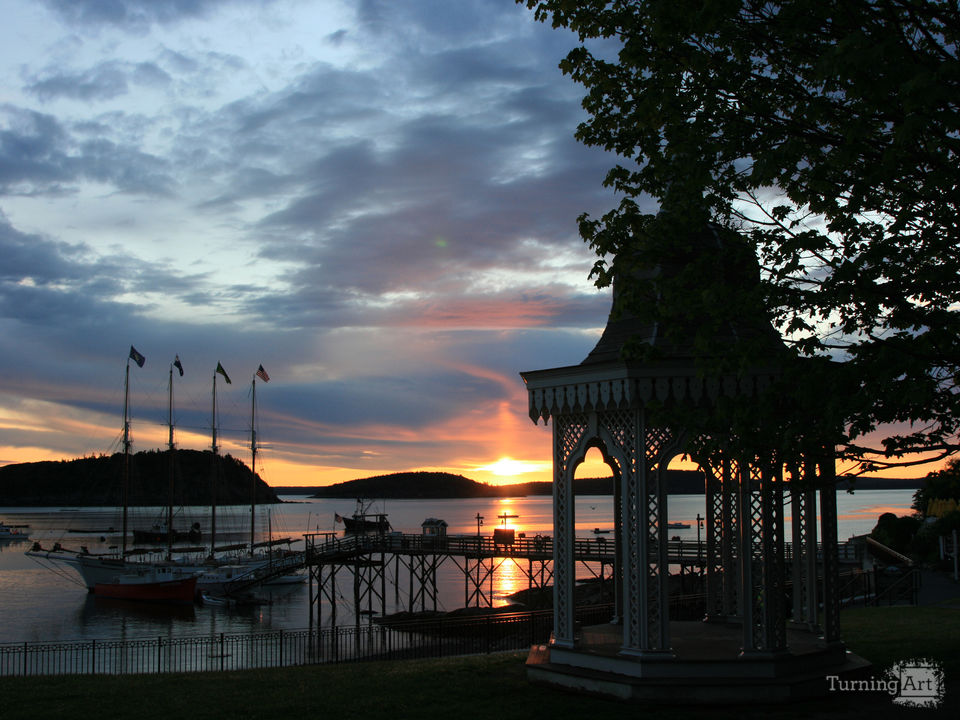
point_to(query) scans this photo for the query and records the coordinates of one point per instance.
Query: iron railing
(285, 648)
(385, 641)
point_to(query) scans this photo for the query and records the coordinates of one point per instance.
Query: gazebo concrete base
(705, 667)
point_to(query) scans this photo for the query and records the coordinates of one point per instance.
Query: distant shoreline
(405, 486)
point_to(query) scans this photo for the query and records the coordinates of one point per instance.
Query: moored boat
(12, 532)
(149, 586)
(115, 576)
(363, 521)
(101, 572)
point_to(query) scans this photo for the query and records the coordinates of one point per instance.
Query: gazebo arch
(744, 649)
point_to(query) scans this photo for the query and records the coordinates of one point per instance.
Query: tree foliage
(826, 134)
(941, 484)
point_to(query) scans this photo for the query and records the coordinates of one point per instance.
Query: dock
(417, 557)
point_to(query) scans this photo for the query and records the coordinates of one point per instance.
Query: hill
(97, 481)
(438, 485)
(679, 482)
(410, 485)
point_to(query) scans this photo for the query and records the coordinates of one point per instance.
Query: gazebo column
(730, 537)
(618, 548)
(723, 576)
(761, 536)
(714, 568)
(804, 525)
(775, 574)
(646, 626)
(831, 561)
(568, 430)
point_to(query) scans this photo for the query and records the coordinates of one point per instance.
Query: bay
(41, 603)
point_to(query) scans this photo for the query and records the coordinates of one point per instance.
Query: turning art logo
(912, 683)
(920, 682)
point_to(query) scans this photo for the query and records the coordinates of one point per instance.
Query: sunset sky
(376, 200)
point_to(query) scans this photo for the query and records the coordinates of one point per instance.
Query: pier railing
(286, 648)
(326, 547)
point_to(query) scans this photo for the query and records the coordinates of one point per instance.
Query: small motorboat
(211, 600)
(364, 521)
(12, 532)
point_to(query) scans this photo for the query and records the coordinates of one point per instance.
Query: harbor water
(45, 602)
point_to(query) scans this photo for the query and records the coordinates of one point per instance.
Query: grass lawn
(490, 687)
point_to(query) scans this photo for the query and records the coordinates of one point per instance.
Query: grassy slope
(489, 687)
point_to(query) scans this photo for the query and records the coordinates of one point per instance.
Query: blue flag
(137, 357)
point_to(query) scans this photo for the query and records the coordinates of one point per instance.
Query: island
(443, 485)
(97, 481)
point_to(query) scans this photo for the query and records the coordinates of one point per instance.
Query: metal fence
(284, 648)
(386, 641)
(880, 587)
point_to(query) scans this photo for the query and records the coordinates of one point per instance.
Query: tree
(825, 134)
(941, 484)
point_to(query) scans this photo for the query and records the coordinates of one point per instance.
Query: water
(38, 604)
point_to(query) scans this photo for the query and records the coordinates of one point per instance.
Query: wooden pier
(417, 558)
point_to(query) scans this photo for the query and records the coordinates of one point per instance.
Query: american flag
(262, 374)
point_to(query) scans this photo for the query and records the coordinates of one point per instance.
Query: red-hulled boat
(150, 587)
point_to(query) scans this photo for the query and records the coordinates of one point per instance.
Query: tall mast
(126, 457)
(216, 469)
(170, 468)
(253, 461)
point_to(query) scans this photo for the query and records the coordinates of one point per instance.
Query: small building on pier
(434, 528)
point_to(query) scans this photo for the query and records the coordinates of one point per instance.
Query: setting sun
(508, 467)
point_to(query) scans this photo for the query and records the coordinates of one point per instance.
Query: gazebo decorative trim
(584, 389)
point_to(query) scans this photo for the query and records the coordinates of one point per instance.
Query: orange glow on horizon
(492, 442)
(508, 467)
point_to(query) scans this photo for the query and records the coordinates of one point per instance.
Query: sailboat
(216, 575)
(117, 577)
(166, 533)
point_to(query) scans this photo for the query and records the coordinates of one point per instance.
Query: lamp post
(479, 523)
(505, 517)
(700, 520)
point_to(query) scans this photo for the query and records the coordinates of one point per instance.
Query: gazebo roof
(614, 374)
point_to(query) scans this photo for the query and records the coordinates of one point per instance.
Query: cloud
(38, 154)
(135, 16)
(105, 81)
(375, 200)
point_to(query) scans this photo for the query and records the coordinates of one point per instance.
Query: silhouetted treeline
(448, 485)
(410, 485)
(96, 481)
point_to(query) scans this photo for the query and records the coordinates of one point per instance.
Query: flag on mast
(177, 365)
(137, 357)
(224, 373)
(262, 374)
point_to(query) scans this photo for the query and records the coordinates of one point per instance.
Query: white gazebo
(757, 641)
